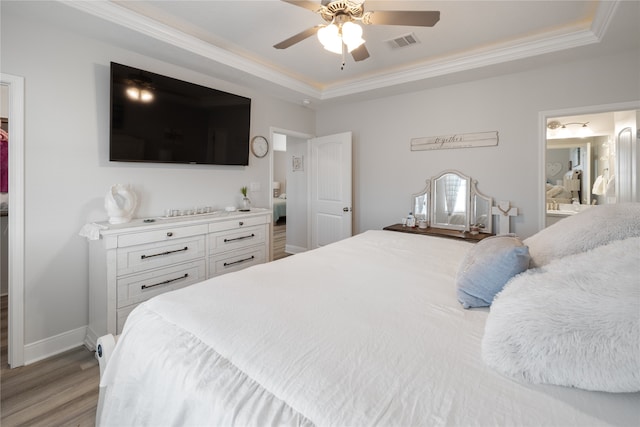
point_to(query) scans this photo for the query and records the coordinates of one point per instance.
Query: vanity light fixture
(562, 130)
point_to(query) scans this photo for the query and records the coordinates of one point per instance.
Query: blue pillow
(487, 267)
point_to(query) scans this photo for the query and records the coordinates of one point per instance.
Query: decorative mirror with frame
(451, 200)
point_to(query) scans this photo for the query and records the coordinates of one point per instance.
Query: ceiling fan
(342, 32)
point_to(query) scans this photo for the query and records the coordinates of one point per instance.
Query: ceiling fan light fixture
(146, 95)
(139, 88)
(352, 35)
(333, 36)
(330, 38)
(133, 92)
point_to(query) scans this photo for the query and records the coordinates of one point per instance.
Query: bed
(279, 208)
(372, 330)
(557, 194)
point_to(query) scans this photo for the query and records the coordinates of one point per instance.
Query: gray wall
(67, 172)
(386, 172)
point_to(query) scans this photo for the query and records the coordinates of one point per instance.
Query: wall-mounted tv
(160, 119)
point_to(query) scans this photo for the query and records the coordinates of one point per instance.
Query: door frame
(294, 134)
(543, 116)
(15, 342)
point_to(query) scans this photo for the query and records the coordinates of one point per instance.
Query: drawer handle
(239, 238)
(227, 264)
(169, 233)
(143, 287)
(164, 253)
(241, 223)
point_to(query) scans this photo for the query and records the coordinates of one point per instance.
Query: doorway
(290, 201)
(14, 86)
(581, 158)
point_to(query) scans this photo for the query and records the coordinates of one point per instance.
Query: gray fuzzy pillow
(574, 322)
(593, 227)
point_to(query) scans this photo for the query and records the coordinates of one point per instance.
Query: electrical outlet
(254, 186)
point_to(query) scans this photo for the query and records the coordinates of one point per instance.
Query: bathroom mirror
(452, 201)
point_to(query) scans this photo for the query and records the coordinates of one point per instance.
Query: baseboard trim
(290, 249)
(56, 344)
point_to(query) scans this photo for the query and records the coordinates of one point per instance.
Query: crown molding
(519, 49)
(470, 61)
(604, 14)
(124, 17)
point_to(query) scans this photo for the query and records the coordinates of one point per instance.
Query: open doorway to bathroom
(591, 158)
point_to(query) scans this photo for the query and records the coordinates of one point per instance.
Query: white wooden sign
(457, 140)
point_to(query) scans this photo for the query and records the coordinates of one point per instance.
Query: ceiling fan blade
(298, 37)
(314, 7)
(360, 53)
(424, 18)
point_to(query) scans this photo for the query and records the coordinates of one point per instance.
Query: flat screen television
(160, 119)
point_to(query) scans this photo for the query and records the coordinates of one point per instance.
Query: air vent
(403, 41)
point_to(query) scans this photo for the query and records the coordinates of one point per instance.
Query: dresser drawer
(162, 235)
(121, 317)
(238, 223)
(236, 260)
(140, 287)
(236, 239)
(143, 257)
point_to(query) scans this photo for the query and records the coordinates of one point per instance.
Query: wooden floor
(279, 240)
(59, 391)
(62, 390)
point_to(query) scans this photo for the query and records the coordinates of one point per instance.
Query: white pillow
(487, 267)
(593, 227)
(574, 322)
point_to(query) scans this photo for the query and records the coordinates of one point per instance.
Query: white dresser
(133, 262)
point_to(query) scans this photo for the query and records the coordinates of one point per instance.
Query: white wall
(386, 172)
(67, 168)
(280, 169)
(297, 186)
(4, 101)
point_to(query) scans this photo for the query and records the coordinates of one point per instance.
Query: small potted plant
(246, 202)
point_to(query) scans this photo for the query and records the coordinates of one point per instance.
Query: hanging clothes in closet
(4, 161)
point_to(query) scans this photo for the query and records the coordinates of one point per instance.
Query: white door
(330, 195)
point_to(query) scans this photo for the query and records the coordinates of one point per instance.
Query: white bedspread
(366, 331)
